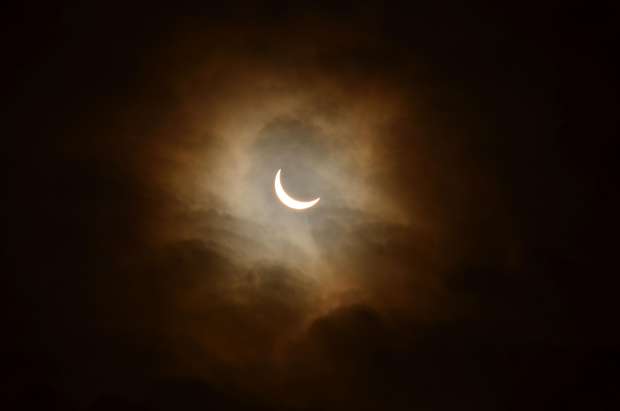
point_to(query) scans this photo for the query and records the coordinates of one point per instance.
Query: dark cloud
(460, 256)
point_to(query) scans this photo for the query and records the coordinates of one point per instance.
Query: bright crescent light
(289, 201)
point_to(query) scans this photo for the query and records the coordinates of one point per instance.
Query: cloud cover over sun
(169, 272)
(230, 281)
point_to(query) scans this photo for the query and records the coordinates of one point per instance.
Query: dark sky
(463, 254)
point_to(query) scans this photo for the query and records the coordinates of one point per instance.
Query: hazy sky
(445, 265)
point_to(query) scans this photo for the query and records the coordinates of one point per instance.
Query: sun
(290, 201)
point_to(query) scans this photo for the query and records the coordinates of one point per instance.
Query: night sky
(463, 255)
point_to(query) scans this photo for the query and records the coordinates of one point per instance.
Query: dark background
(537, 84)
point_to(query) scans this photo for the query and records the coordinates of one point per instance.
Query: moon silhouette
(289, 201)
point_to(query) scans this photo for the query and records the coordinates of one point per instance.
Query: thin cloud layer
(152, 265)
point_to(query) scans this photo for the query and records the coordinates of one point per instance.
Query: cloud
(151, 265)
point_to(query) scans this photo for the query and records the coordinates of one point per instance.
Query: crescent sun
(289, 201)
